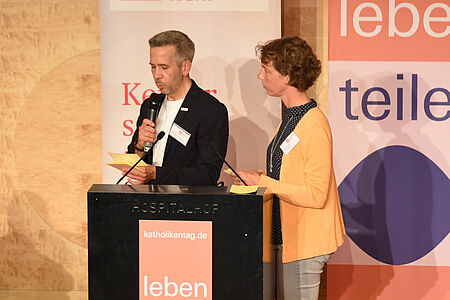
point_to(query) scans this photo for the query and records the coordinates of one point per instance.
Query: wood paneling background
(309, 20)
(50, 133)
(50, 145)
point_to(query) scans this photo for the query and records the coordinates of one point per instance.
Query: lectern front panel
(174, 242)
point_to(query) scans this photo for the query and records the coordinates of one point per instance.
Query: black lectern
(119, 218)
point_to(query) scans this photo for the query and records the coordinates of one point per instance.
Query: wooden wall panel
(50, 145)
(308, 19)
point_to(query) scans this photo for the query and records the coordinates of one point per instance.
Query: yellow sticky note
(243, 189)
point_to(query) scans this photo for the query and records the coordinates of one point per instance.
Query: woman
(303, 222)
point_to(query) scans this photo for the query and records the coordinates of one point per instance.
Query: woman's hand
(250, 177)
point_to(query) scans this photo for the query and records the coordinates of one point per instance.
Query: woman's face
(273, 82)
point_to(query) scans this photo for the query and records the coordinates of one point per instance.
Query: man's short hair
(292, 56)
(184, 46)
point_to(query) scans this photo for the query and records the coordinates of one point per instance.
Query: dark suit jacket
(197, 163)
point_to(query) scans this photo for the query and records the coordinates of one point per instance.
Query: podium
(174, 242)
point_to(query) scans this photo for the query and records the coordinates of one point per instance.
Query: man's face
(166, 72)
(272, 81)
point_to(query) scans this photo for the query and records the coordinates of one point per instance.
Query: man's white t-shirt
(166, 117)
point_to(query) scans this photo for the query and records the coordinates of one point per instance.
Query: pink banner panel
(388, 282)
(175, 259)
(381, 30)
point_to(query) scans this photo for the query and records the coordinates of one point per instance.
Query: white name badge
(289, 143)
(179, 134)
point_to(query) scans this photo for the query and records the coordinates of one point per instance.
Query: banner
(389, 107)
(225, 34)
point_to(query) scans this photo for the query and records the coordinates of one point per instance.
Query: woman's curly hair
(292, 56)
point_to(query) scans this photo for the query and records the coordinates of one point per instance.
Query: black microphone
(211, 141)
(152, 113)
(160, 136)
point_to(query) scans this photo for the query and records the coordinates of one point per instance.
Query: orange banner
(382, 30)
(388, 282)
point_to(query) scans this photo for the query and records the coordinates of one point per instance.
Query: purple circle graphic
(396, 205)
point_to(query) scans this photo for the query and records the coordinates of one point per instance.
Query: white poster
(225, 34)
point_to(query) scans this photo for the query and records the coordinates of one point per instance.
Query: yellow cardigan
(311, 217)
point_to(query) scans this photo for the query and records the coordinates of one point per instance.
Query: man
(191, 119)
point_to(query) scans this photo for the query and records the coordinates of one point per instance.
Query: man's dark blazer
(205, 118)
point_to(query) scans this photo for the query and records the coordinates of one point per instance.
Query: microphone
(152, 113)
(211, 141)
(160, 136)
